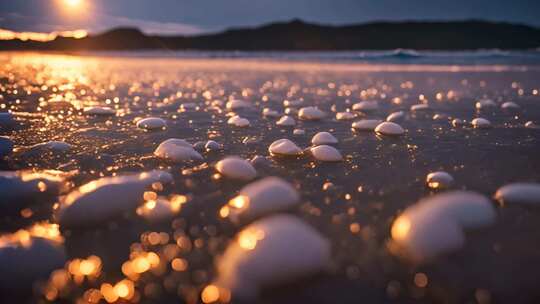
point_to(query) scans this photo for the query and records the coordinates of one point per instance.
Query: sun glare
(73, 3)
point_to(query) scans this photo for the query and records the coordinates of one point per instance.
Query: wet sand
(379, 178)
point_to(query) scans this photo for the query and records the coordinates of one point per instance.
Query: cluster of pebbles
(272, 245)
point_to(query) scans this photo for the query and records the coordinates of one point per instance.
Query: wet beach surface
(379, 177)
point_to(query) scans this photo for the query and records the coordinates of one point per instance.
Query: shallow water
(379, 178)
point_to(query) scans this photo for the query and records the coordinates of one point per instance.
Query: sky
(198, 16)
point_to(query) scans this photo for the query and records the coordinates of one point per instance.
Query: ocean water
(379, 177)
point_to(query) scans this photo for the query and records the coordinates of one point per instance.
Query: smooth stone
(345, 116)
(270, 113)
(152, 123)
(99, 111)
(158, 210)
(23, 262)
(396, 116)
(326, 153)
(510, 105)
(531, 125)
(435, 224)
(439, 180)
(260, 161)
(188, 106)
(262, 197)
(53, 146)
(212, 146)
(234, 167)
(105, 198)
(291, 111)
(366, 106)
(298, 132)
(420, 107)
(6, 146)
(485, 103)
(366, 124)
(519, 193)
(456, 122)
(200, 146)
(324, 138)
(284, 147)
(481, 123)
(272, 251)
(286, 121)
(389, 128)
(311, 113)
(237, 104)
(238, 121)
(177, 150)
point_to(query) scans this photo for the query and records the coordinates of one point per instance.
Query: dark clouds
(191, 16)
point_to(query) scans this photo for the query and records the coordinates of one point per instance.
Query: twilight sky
(196, 16)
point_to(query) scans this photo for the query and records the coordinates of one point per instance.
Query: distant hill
(299, 35)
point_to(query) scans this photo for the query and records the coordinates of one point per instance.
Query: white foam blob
(177, 150)
(262, 197)
(284, 147)
(270, 113)
(98, 111)
(481, 123)
(420, 107)
(310, 113)
(510, 105)
(274, 250)
(152, 123)
(286, 121)
(237, 104)
(345, 116)
(439, 180)
(435, 224)
(23, 263)
(238, 121)
(519, 193)
(395, 116)
(324, 138)
(389, 128)
(6, 146)
(326, 153)
(365, 124)
(366, 106)
(234, 167)
(485, 103)
(105, 198)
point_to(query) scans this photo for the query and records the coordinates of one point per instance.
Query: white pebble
(510, 105)
(519, 193)
(456, 122)
(299, 132)
(152, 123)
(389, 128)
(270, 113)
(366, 106)
(531, 125)
(365, 124)
(485, 103)
(310, 113)
(396, 116)
(236, 168)
(286, 121)
(324, 138)
(345, 116)
(274, 250)
(420, 107)
(284, 147)
(326, 153)
(177, 150)
(480, 123)
(237, 104)
(439, 180)
(238, 121)
(260, 198)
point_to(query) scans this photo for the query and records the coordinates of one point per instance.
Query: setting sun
(73, 3)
